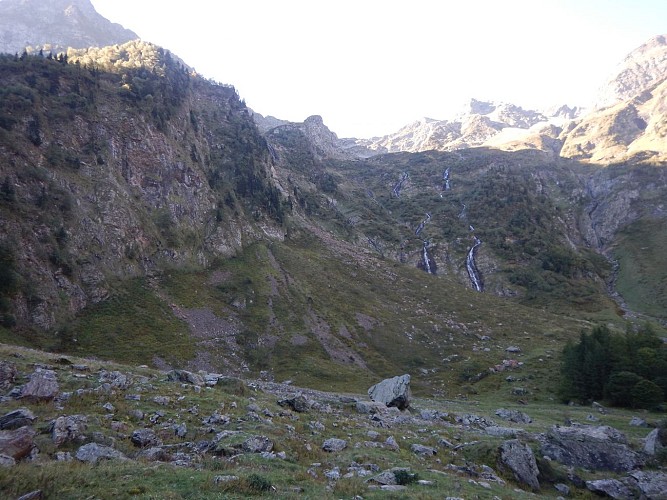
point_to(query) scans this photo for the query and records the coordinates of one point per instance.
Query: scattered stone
(162, 400)
(638, 422)
(655, 441)
(80, 368)
(7, 375)
(373, 434)
(590, 447)
(423, 451)
(93, 453)
(136, 414)
(17, 418)
(297, 403)
(334, 445)
(7, 461)
(513, 349)
(257, 444)
(562, 488)
(393, 487)
(17, 443)
(519, 459)
(384, 478)
(516, 416)
(472, 420)
(69, 429)
(63, 456)
(43, 386)
(333, 474)
(116, 379)
(180, 430)
(316, 426)
(144, 438)
(186, 377)
(370, 407)
(610, 487)
(133, 397)
(155, 454)
(33, 495)
(506, 432)
(520, 391)
(109, 407)
(393, 392)
(392, 444)
(225, 479)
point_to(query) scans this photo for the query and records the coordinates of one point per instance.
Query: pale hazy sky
(371, 66)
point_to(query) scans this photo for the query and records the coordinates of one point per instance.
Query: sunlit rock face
(56, 25)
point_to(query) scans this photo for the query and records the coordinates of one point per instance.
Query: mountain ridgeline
(145, 217)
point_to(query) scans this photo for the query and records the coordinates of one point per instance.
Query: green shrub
(646, 394)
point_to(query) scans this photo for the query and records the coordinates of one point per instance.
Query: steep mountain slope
(56, 24)
(115, 171)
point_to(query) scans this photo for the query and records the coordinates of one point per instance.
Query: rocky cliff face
(57, 24)
(110, 175)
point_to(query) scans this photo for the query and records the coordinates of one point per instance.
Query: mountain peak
(56, 24)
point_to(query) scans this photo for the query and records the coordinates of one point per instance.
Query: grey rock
(384, 478)
(655, 441)
(590, 447)
(225, 479)
(370, 407)
(612, 488)
(507, 432)
(392, 392)
(116, 379)
(334, 445)
(513, 349)
(69, 429)
(186, 377)
(92, 453)
(7, 461)
(136, 414)
(144, 438)
(7, 375)
(63, 456)
(180, 430)
(638, 422)
(513, 416)
(43, 386)
(652, 484)
(392, 444)
(109, 407)
(423, 451)
(257, 444)
(562, 488)
(296, 403)
(155, 454)
(332, 474)
(17, 418)
(393, 487)
(33, 495)
(519, 459)
(17, 443)
(162, 400)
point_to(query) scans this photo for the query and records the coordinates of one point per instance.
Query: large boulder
(333, 445)
(612, 488)
(296, 403)
(590, 447)
(518, 458)
(17, 443)
(652, 484)
(392, 392)
(43, 386)
(655, 441)
(92, 453)
(68, 429)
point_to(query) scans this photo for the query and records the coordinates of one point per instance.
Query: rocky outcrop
(595, 448)
(17, 418)
(612, 488)
(641, 70)
(58, 24)
(392, 392)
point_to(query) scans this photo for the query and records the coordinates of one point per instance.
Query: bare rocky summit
(56, 24)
